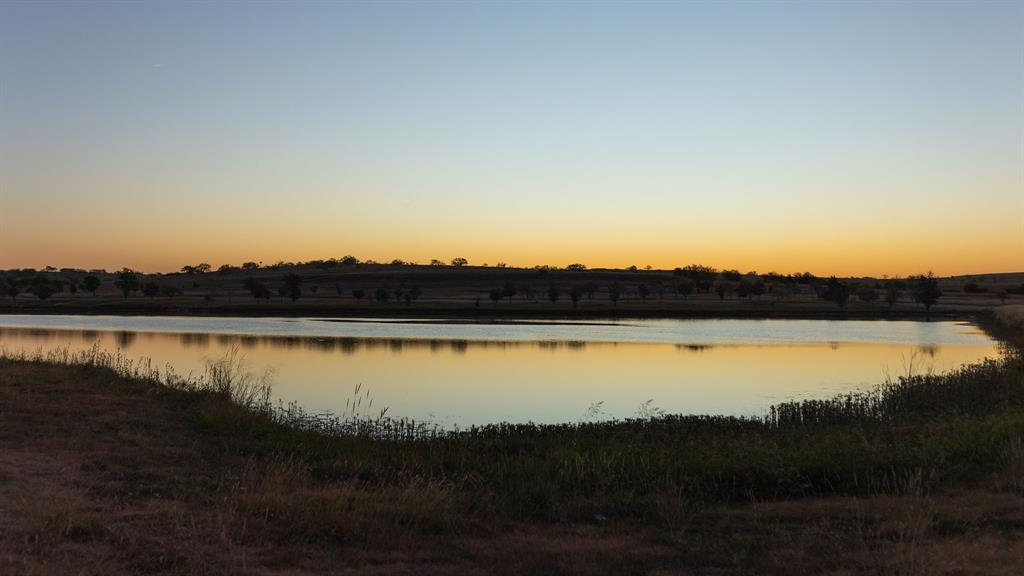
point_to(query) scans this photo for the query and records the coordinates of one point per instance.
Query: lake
(463, 373)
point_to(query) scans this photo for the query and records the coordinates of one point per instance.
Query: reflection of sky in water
(634, 330)
(470, 380)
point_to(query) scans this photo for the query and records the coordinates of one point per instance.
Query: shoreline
(441, 312)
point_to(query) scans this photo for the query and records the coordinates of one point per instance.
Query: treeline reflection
(343, 344)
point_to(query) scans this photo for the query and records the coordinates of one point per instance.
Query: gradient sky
(846, 138)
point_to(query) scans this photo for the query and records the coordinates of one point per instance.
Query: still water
(462, 373)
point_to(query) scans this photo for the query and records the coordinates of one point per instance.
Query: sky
(841, 138)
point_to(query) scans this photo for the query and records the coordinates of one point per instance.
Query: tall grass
(933, 429)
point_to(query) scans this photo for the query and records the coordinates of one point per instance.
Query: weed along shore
(113, 466)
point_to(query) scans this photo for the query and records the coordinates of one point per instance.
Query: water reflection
(472, 381)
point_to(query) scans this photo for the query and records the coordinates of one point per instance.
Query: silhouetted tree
(576, 267)
(757, 288)
(509, 290)
(459, 261)
(41, 287)
(925, 288)
(250, 266)
(348, 260)
(127, 281)
(685, 287)
(12, 289)
(527, 291)
(553, 293)
(150, 289)
(293, 286)
(436, 262)
(732, 275)
(614, 293)
(721, 288)
(836, 292)
(575, 294)
(892, 293)
(866, 293)
(702, 276)
(91, 283)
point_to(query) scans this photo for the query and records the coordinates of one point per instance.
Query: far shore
(240, 308)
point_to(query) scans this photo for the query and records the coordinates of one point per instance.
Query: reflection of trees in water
(694, 347)
(125, 338)
(199, 340)
(929, 350)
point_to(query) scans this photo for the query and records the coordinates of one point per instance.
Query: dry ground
(113, 477)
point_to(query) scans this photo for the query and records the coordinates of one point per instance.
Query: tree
(495, 295)
(509, 290)
(892, 293)
(527, 291)
(644, 291)
(743, 289)
(926, 291)
(459, 261)
(866, 293)
(436, 262)
(413, 294)
(41, 287)
(91, 283)
(703, 276)
(150, 289)
(13, 290)
(732, 275)
(721, 289)
(614, 293)
(576, 267)
(575, 294)
(685, 287)
(836, 292)
(348, 260)
(127, 281)
(250, 266)
(293, 286)
(757, 288)
(553, 293)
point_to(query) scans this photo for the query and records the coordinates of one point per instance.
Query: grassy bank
(890, 480)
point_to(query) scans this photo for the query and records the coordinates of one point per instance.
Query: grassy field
(109, 467)
(446, 291)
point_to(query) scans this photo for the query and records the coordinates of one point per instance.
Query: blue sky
(865, 137)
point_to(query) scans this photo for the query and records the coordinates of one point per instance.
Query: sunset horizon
(476, 287)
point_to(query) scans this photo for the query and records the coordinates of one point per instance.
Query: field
(109, 467)
(449, 291)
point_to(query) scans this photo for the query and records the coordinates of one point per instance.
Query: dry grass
(102, 475)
